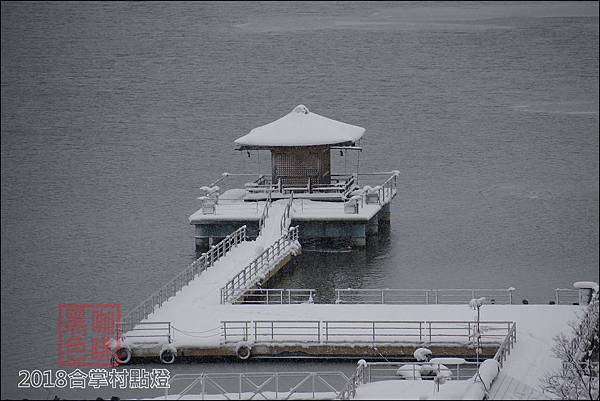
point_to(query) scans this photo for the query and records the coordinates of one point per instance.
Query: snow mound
(409, 372)
(488, 370)
(422, 354)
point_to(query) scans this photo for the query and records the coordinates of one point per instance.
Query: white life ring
(123, 355)
(243, 351)
(168, 354)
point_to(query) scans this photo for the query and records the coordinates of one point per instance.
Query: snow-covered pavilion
(300, 143)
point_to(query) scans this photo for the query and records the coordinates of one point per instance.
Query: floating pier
(349, 207)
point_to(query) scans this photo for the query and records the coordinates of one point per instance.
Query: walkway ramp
(507, 387)
(235, 264)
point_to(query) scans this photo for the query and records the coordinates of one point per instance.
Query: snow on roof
(301, 127)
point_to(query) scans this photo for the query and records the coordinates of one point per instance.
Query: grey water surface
(114, 114)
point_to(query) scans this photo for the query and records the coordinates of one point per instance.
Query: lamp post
(476, 304)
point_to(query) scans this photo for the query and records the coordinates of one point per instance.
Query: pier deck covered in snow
(345, 206)
(353, 215)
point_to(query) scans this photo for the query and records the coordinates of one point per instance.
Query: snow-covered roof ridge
(301, 127)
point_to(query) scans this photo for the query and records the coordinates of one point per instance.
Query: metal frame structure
(268, 385)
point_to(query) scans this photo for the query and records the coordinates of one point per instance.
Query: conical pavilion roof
(301, 127)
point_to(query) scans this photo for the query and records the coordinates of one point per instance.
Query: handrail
(269, 296)
(422, 296)
(349, 187)
(380, 194)
(265, 213)
(388, 188)
(286, 217)
(256, 269)
(149, 330)
(357, 378)
(369, 372)
(270, 331)
(367, 331)
(507, 345)
(568, 296)
(160, 296)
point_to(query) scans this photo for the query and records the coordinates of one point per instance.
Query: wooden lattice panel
(296, 165)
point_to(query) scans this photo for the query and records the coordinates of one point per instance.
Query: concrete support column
(385, 215)
(373, 225)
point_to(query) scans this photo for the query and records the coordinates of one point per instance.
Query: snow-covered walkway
(204, 290)
(507, 387)
(199, 325)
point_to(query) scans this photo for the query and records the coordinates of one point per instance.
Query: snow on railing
(421, 296)
(568, 296)
(152, 330)
(358, 378)
(270, 296)
(388, 189)
(459, 370)
(370, 372)
(160, 296)
(379, 194)
(265, 213)
(260, 266)
(507, 345)
(286, 218)
(356, 332)
(259, 385)
(270, 331)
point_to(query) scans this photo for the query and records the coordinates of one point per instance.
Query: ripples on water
(114, 114)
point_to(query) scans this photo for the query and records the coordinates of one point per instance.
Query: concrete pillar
(373, 225)
(385, 214)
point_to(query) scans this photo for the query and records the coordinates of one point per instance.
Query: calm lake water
(114, 114)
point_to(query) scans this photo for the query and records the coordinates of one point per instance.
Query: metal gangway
(275, 223)
(253, 273)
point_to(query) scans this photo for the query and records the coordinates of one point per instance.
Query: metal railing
(349, 187)
(260, 266)
(412, 331)
(265, 213)
(385, 191)
(357, 378)
(286, 218)
(421, 296)
(379, 371)
(357, 332)
(267, 385)
(160, 296)
(568, 296)
(340, 184)
(144, 331)
(507, 345)
(275, 296)
(369, 372)
(388, 189)
(271, 331)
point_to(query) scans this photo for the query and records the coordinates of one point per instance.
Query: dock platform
(349, 212)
